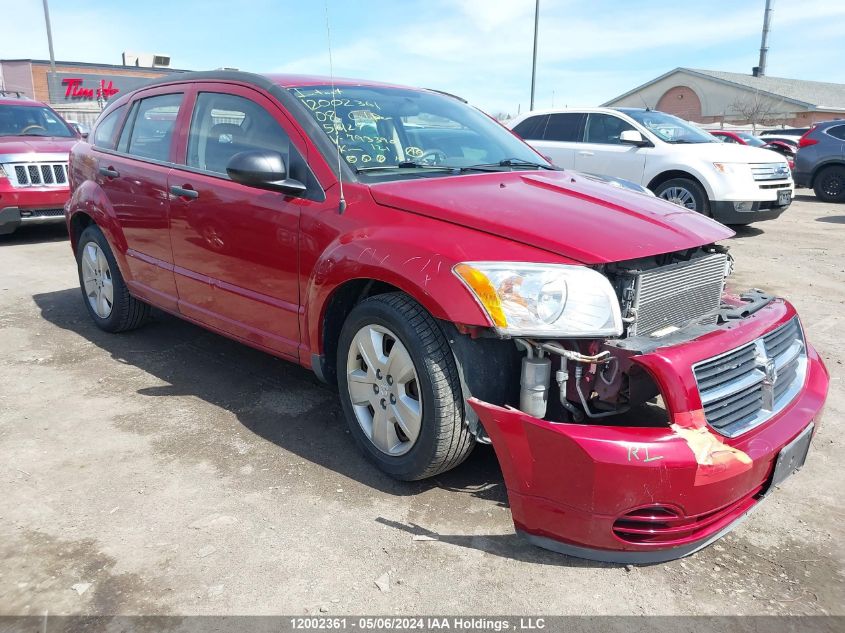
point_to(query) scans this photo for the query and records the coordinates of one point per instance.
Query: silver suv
(820, 162)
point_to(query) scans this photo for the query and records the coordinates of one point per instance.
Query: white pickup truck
(736, 184)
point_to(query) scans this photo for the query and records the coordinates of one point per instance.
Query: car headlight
(726, 168)
(524, 299)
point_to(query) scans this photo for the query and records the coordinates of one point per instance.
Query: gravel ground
(171, 471)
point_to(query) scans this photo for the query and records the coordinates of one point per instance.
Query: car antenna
(647, 107)
(342, 203)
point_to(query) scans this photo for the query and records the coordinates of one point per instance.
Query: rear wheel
(830, 184)
(400, 389)
(686, 193)
(105, 293)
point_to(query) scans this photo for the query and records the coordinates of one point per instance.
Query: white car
(736, 184)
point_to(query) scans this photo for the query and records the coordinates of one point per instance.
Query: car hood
(728, 153)
(35, 144)
(560, 212)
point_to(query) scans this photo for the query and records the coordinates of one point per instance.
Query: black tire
(127, 312)
(695, 190)
(444, 440)
(829, 184)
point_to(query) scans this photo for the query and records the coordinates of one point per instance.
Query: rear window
(837, 131)
(565, 126)
(104, 135)
(149, 129)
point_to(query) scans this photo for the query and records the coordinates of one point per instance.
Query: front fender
(402, 259)
(89, 198)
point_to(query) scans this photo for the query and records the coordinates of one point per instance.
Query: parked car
(34, 146)
(80, 128)
(787, 149)
(820, 163)
(679, 162)
(788, 133)
(740, 138)
(457, 288)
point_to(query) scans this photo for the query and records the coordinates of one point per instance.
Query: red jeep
(457, 288)
(34, 146)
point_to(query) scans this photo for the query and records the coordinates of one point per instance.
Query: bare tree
(757, 109)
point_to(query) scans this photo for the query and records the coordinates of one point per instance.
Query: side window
(123, 139)
(565, 126)
(151, 129)
(605, 129)
(837, 131)
(104, 134)
(224, 125)
(532, 128)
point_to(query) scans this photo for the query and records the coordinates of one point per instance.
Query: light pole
(534, 62)
(49, 38)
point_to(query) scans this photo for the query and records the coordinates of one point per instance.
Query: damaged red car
(458, 289)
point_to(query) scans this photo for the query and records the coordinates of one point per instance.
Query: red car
(457, 288)
(784, 148)
(740, 138)
(34, 146)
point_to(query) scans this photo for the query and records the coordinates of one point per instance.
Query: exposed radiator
(675, 295)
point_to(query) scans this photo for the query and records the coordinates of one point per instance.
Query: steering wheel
(432, 157)
(32, 127)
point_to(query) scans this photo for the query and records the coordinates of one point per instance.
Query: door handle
(109, 172)
(184, 192)
(584, 152)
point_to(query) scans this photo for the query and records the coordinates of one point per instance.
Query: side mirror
(633, 137)
(263, 169)
(84, 134)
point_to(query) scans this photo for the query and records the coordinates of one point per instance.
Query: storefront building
(78, 91)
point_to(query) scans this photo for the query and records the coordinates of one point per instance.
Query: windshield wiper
(405, 165)
(686, 141)
(507, 162)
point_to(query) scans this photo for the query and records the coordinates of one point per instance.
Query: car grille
(42, 213)
(37, 174)
(770, 171)
(677, 294)
(748, 385)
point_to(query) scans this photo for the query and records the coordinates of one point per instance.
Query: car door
(561, 138)
(235, 247)
(602, 152)
(133, 177)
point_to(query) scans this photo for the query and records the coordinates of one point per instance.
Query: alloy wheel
(680, 196)
(832, 185)
(97, 279)
(384, 390)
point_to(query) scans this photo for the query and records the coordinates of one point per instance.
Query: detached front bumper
(646, 494)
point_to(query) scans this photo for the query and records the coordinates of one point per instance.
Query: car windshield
(19, 120)
(670, 128)
(387, 132)
(750, 139)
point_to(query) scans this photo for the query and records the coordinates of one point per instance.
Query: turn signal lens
(484, 290)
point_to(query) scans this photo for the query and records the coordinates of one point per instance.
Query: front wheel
(830, 184)
(400, 389)
(105, 293)
(686, 193)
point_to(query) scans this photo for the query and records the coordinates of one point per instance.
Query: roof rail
(13, 93)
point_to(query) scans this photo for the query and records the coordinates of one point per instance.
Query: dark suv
(820, 162)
